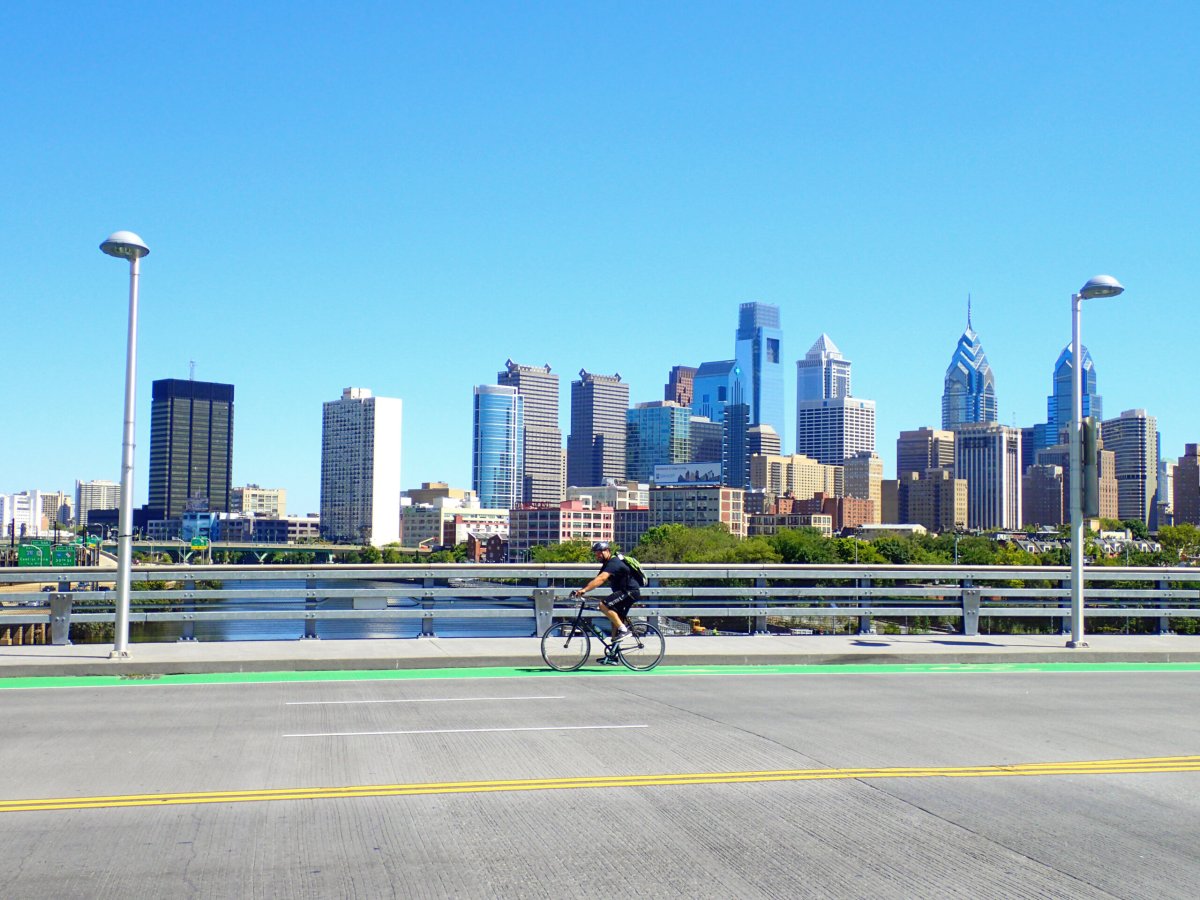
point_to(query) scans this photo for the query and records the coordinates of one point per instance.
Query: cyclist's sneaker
(608, 660)
(621, 635)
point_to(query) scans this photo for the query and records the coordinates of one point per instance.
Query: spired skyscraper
(496, 461)
(757, 355)
(970, 394)
(191, 446)
(1058, 404)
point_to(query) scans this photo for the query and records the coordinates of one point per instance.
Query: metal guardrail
(452, 591)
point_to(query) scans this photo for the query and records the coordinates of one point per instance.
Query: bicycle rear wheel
(643, 649)
(565, 646)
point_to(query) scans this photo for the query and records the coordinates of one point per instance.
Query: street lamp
(126, 245)
(1100, 286)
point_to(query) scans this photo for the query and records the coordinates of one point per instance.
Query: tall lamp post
(126, 245)
(1100, 286)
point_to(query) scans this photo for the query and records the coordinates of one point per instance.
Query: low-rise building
(545, 524)
(764, 524)
(698, 507)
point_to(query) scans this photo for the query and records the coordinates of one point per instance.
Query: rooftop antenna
(969, 312)
(192, 369)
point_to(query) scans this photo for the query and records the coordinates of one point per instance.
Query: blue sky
(401, 197)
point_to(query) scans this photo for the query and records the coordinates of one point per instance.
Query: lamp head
(126, 245)
(1101, 286)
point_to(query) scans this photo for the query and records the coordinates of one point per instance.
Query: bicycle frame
(582, 623)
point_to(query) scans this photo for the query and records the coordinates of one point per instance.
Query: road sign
(199, 543)
(63, 555)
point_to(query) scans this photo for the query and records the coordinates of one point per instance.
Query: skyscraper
(831, 425)
(706, 440)
(656, 434)
(541, 476)
(970, 392)
(988, 457)
(735, 446)
(823, 374)
(1133, 437)
(922, 449)
(757, 350)
(91, 495)
(1058, 403)
(191, 446)
(834, 430)
(360, 468)
(497, 456)
(1185, 488)
(679, 386)
(596, 445)
(714, 386)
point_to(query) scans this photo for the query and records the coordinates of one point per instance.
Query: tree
(1179, 540)
(569, 552)
(1137, 528)
(709, 544)
(804, 545)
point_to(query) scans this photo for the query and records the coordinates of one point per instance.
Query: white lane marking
(416, 700)
(464, 730)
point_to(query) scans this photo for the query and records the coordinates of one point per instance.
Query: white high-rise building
(22, 514)
(832, 431)
(988, 456)
(91, 495)
(360, 468)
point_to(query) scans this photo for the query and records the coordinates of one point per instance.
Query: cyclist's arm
(591, 585)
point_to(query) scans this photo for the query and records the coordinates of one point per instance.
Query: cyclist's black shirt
(620, 576)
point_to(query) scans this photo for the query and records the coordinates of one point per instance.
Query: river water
(339, 629)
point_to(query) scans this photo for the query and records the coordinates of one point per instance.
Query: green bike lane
(514, 672)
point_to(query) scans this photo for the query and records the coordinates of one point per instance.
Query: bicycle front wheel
(643, 649)
(565, 646)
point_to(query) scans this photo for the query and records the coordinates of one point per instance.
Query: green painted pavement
(89, 681)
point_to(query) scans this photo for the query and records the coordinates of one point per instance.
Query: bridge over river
(933, 781)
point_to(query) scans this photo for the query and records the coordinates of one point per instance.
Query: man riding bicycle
(617, 574)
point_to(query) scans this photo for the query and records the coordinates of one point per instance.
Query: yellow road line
(1141, 766)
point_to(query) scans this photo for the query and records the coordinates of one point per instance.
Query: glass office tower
(1058, 404)
(656, 433)
(498, 458)
(757, 353)
(970, 391)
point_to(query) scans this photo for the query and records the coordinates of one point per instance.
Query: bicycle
(567, 645)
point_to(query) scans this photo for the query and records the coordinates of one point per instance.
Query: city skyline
(602, 196)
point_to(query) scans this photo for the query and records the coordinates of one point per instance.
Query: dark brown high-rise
(191, 446)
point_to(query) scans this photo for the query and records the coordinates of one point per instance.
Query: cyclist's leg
(613, 612)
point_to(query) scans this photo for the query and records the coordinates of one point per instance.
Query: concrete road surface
(925, 784)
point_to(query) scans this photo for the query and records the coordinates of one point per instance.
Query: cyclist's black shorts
(620, 601)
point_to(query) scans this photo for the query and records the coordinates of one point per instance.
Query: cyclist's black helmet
(599, 545)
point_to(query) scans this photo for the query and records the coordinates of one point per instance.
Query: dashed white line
(418, 700)
(463, 730)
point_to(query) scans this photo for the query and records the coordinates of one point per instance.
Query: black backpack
(635, 569)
